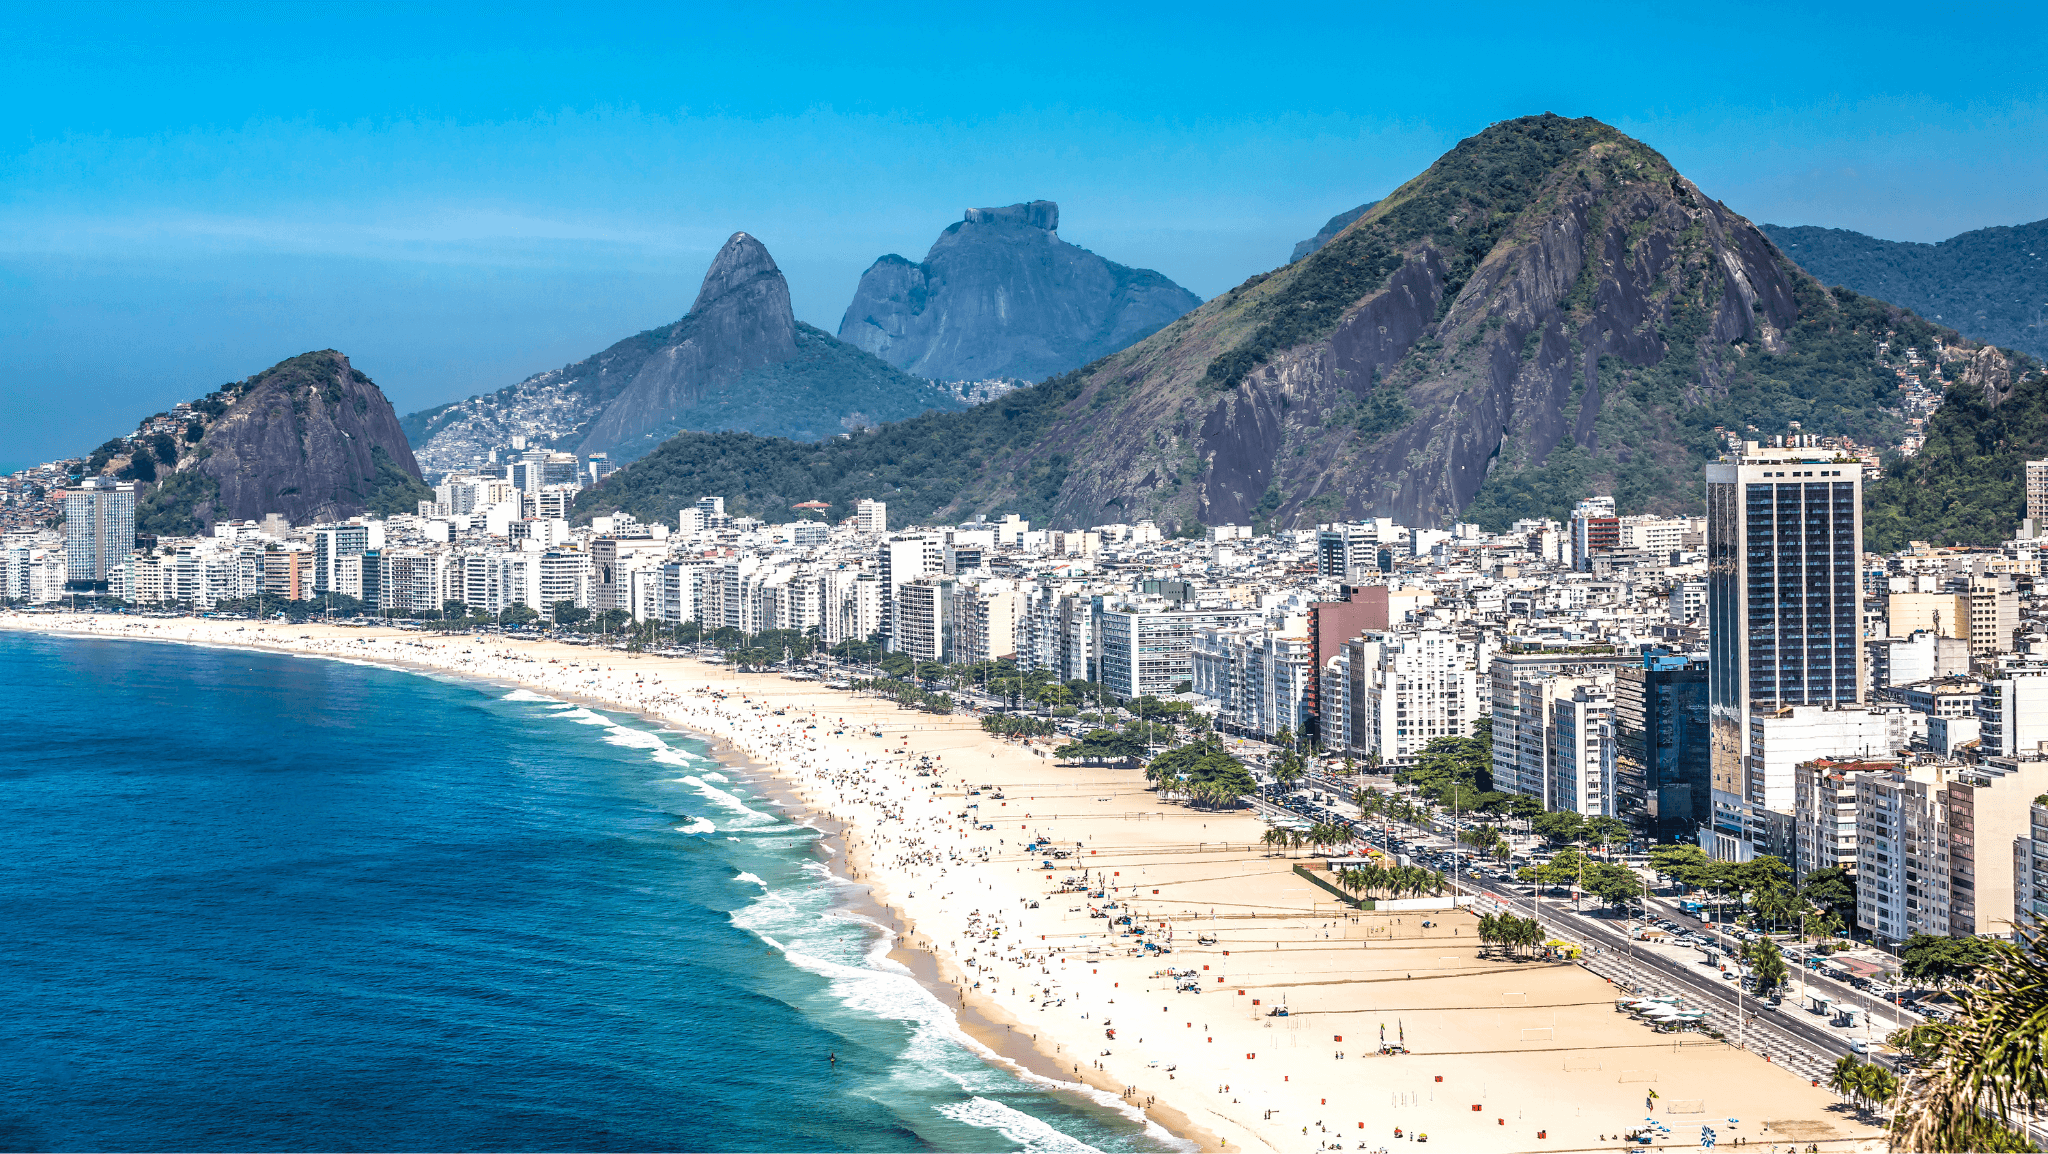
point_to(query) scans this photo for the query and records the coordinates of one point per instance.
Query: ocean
(256, 902)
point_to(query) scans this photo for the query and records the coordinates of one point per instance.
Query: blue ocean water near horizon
(257, 902)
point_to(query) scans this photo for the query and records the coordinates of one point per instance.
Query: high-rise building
(99, 527)
(1595, 529)
(1987, 811)
(2036, 524)
(1784, 606)
(332, 543)
(599, 466)
(1348, 547)
(1330, 625)
(871, 517)
(2014, 713)
(1661, 760)
(1151, 649)
(901, 561)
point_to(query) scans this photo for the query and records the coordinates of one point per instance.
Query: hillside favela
(640, 588)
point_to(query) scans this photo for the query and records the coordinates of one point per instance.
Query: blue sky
(458, 197)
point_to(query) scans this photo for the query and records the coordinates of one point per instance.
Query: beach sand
(1505, 1055)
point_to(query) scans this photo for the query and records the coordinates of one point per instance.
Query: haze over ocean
(256, 902)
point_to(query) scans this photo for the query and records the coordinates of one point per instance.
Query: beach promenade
(930, 817)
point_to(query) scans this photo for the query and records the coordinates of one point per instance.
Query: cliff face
(312, 438)
(737, 360)
(740, 321)
(1000, 295)
(1551, 310)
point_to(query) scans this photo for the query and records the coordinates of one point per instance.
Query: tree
(1830, 888)
(1562, 826)
(567, 613)
(1765, 961)
(1614, 884)
(1288, 769)
(454, 608)
(1941, 960)
(1099, 745)
(1992, 1059)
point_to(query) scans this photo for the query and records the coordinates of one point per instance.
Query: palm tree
(1990, 1062)
(1273, 836)
(1846, 1079)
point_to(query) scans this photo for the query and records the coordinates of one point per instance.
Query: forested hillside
(1990, 284)
(1967, 485)
(1550, 311)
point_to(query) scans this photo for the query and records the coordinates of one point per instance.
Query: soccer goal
(1638, 1076)
(1580, 1065)
(1685, 1105)
(1514, 998)
(1539, 1033)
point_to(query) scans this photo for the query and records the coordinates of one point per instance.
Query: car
(1859, 1046)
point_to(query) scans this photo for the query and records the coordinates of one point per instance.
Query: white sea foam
(717, 777)
(528, 695)
(701, 825)
(721, 798)
(583, 716)
(633, 738)
(744, 876)
(1033, 1133)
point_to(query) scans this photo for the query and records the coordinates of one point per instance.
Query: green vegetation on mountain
(172, 508)
(1967, 485)
(1831, 380)
(1990, 284)
(918, 466)
(1550, 311)
(393, 491)
(802, 398)
(1465, 202)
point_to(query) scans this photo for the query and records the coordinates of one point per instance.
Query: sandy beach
(932, 817)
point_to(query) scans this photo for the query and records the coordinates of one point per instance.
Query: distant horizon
(458, 206)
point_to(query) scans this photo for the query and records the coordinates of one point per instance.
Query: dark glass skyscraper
(1784, 609)
(1662, 766)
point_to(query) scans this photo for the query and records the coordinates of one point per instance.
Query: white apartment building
(1408, 688)
(2013, 710)
(871, 517)
(2030, 868)
(1902, 852)
(1824, 809)
(1148, 648)
(1582, 751)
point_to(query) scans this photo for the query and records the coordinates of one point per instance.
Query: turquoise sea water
(252, 902)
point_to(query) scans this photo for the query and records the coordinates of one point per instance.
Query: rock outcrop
(1000, 295)
(1548, 312)
(312, 438)
(1329, 231)
(738, 360)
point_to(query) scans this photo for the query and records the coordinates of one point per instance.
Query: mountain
(739, 360)
(1549, 311)
(311, 438)
(1991, 284)
(1000, 295)
(1329, 231)
(1967, 484)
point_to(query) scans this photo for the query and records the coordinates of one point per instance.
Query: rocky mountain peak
(1000, 295)
(743, 265)
(1043, 214)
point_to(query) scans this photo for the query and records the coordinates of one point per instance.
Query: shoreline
(889, 792)
(978, 1021)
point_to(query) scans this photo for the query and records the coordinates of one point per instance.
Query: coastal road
(1788, 1033)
